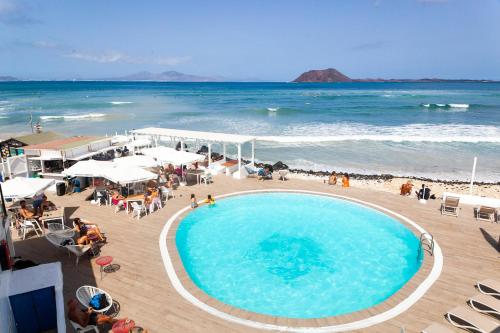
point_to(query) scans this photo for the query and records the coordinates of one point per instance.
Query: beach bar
(200, 137)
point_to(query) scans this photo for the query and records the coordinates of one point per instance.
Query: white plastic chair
(85, 293)
(138, 210)
(206, 178)
(80, 329)
(166, 193)
(283, 174)
(31, 224)
(78, 251)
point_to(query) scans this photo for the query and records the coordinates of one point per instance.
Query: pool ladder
(426, 239)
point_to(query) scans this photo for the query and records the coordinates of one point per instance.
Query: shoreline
(391, 184)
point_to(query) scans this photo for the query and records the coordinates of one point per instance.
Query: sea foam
(73, 117)
(449, 105)
(119, 102)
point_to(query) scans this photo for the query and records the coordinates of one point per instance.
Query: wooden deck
(144, 293)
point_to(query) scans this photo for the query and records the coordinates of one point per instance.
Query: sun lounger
(437, 328)
(485, 213)
(485, 304)
(467, 319)
(489, 287)
(450, 206)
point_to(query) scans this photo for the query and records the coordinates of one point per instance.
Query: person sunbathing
(406, 188)
(264, 174)
(87, 232)
(47, 205)
(332, 180)
(87, 317)
(27, 213)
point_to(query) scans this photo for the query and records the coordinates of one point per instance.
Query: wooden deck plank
(145, 294)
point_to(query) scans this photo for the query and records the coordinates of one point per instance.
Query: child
(194, 202)
(209, 200)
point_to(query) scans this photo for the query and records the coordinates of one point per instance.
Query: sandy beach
(392, 185)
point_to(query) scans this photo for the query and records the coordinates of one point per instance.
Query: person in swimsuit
(87, 232)
(332, 180)
(194, 202)
(209, 200)
(345, 180)
(87, 317)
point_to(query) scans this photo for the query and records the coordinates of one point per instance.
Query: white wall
(22, 281)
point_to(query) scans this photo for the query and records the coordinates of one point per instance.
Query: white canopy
(170, 155)
(19, 187)
(127, 175)
(140, 142)
(119, 139)
(140, 161)
(195, 135)
(90, 168)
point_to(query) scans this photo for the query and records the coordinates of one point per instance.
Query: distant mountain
(333, 75)
(169, 76)
(8, 78)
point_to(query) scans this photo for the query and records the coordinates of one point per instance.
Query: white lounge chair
(489, 287)
(467, 319)
(30, 224)
(206, 178)
(437, 328)
(78, 251)
(81, 329)
(450, 206)
(485, 213)
(138, 210)
(61, 230)
(485, 304)
(283, 174)
(85, 293)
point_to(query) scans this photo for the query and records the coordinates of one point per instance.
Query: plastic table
(103, 262)
(123, 326)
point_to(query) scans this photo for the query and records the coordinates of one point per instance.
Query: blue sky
(263, 39)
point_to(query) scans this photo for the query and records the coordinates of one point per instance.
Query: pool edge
(372, 319)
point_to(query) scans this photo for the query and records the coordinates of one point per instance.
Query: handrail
(428, 240)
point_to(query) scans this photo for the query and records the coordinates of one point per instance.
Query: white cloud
(115, 56)
(102, 58)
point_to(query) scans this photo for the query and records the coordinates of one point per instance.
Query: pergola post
(224, 151)
(182, 145)
(253, 152)
(239, 156)
(209, 154)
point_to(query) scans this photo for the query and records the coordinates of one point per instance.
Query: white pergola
(206, 137)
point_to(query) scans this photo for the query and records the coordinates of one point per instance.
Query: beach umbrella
(89, 168)
(124, 175)
(140, 161)
(20, 187)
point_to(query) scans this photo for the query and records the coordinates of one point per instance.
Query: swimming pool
(296, 255)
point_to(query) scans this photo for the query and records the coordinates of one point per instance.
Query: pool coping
(396, 304)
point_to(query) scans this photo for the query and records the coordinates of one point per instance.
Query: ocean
(429, 130)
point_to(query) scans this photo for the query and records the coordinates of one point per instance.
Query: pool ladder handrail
(428, 240)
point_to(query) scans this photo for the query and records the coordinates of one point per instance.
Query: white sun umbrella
(89, 168)
(125, 175)
(140, 161)
(119, 139)
(169, 155)
(139, 143)
(20, 187)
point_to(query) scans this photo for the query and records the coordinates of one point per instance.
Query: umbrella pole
(473, 175)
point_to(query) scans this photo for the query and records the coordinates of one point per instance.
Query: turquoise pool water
(296, 255)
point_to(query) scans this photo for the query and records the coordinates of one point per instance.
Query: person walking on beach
(345, 180)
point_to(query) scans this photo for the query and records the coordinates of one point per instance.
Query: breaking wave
(73, 117)
(120, 102)
(449, 105)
